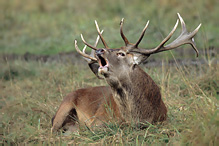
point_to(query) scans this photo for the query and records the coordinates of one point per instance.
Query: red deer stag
(132, 95)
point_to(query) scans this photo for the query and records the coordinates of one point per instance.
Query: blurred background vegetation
(50, 27)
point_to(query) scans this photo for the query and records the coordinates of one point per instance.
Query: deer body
(86, 106)
(127, 101)
(132, 97)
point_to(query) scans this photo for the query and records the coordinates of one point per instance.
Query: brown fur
(138, 99)
(91, 106)
(132, 97)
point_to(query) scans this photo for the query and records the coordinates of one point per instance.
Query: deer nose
(100, 52)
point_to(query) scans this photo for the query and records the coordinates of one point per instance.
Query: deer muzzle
(103, 62)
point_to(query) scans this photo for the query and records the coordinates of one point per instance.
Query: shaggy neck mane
(134, 94)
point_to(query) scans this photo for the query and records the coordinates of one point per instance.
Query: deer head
(112, 61)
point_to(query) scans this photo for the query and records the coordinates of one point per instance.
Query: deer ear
(139, 58)
(94, 68)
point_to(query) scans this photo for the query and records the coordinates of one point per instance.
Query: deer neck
(133, 91)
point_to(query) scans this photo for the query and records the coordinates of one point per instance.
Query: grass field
(31, 92)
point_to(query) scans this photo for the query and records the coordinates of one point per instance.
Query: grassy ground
(31, 93)
(49, 27)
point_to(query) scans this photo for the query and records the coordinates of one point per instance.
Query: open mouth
(103, 65)
(102, 61)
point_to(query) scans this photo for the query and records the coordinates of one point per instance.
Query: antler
(92, 54)
(122, 34)
(88, 58)
(126, 40)
(142, 35)
(184, 38)
(101, 37)
(87, 43)
(83, 54)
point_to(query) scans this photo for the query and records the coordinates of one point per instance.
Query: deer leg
(65, 116)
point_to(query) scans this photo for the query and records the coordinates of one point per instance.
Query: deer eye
(121, 54)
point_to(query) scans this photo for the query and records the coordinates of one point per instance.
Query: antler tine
(142, 35)
(87, 43)
(83, 54)
(92, 51)
(85, 46)
(182, 23)
(122, 34)
(87, 59)
(101, 37)
(184, 38)
(148, 52)
(193, 42)
(167, 38)
(98, 37)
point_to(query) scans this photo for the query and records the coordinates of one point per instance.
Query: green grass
(50, 27)
(30, 93)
